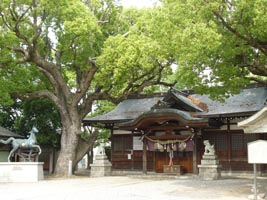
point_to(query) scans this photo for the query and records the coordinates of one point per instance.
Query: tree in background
(215, 46)
(9, 114)
(21, 116)
(220, 45)
(74, 53)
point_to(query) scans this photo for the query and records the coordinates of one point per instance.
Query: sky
(138, 3)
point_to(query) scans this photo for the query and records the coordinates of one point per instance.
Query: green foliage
(68, 26)
(9, 114)
(219, 45)
(132, 44)
(21, 116)
(45, 117)
(129, 61)
(102, 107)
(20, 79)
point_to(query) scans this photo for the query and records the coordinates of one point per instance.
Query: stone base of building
(209, 169)
(101, 166)
(21, 172)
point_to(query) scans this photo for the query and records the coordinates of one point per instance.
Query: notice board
(257, 152)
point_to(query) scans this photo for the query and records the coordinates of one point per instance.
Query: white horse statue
(23, 143)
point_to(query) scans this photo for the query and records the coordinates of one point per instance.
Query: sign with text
(257, 152)
(137, 143)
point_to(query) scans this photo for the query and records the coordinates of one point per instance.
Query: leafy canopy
(220, 45)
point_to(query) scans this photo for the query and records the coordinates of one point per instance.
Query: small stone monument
(101, 165)
(209, 169)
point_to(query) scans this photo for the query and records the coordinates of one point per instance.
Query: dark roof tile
(6, 133)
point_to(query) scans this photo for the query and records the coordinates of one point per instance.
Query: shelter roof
(256, 123)
(6, 133)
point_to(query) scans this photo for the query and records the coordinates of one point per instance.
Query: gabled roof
(6, 133)
(180, 101)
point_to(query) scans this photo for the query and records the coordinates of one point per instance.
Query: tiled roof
(126, 110)
(6, 133)
(247, 102)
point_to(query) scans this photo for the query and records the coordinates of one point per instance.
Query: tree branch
(249, 40)
(52, 72)
(84, 146)
(38, 94)
(25, 53)
(264, 82)
(85, 83)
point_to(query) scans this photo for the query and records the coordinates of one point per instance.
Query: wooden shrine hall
(168, 130)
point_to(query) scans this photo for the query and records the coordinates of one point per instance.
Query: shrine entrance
(183, 159)
(170, 136)
(172, 151)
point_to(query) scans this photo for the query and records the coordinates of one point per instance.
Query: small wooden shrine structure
(152, 134)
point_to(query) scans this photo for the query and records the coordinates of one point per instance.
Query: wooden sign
(137, 143)
(257, 152)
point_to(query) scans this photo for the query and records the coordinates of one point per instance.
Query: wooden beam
(164, 128)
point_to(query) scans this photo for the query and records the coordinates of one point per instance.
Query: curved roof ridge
(170, 113)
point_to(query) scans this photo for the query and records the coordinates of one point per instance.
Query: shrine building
(152, 134)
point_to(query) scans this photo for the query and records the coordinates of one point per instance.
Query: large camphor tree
(74, 52)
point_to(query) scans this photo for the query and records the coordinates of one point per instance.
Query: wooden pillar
(229, 144)
(195, 169)
(144, 156)
(132, 152)
(112, 144)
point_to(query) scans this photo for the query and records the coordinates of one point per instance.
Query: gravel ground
(131, 188)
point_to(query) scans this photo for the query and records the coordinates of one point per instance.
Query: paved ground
(130, 188)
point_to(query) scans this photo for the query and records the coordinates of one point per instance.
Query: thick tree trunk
(69, 142)
(73, 148)
(85, 146)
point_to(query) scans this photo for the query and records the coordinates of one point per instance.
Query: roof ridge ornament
(160, 105)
